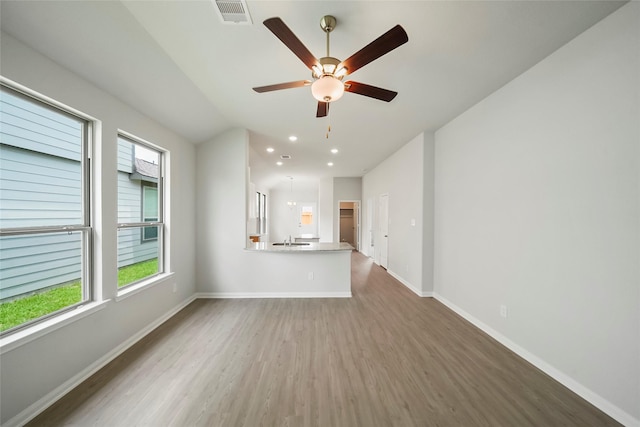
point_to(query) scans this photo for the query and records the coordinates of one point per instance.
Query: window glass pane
(137, 260)
(40, 164)
(42, 181)
(139, 201)
(263, 215)
(150, 207)
(306, 215)
(149, 212)
(138, 167)
(41, 274)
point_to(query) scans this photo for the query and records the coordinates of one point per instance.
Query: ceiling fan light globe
(327, 89)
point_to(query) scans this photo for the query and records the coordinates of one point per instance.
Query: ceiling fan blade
(370, 91)
(286, 36)
(279, 86)
(384, 44)
(323, 109)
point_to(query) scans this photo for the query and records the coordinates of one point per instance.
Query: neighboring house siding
(125, 157)
(38, 129)
(40, 176)
(34, 262)
(40, 185)
(38, 189)
(131, 248)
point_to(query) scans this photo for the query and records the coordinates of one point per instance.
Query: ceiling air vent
(285, 156)
(233, 11)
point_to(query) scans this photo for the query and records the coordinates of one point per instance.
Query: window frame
(85, 227)
(160, 223)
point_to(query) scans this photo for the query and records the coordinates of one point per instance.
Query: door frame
(357, 220)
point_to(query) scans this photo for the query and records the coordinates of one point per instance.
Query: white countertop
(311, 247)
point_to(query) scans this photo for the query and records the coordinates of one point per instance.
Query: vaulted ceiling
(177, 62)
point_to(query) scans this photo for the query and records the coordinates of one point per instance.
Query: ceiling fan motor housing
(328, 67)
(328, 23)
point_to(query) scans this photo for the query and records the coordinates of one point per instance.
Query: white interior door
(370, 230)
(383, 241)
(356, 218)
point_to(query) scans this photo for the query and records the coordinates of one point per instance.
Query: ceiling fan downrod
(327, 65)
(328, 24)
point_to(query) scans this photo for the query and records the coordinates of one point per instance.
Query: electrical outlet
(310, 275)
(503, 311)
(175, 287)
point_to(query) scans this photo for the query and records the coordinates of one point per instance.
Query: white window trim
(163, 235)
(142, 285)
(38, 328)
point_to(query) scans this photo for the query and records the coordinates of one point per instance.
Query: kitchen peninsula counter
(297, 247)
(314, 270)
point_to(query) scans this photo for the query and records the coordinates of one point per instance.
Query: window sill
(145, 284)
(20, 338)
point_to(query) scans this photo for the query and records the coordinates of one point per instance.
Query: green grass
(135, 272)
(19, 311)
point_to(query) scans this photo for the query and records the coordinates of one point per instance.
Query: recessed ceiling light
(279, 163)
(334, 150)
(270, 150)
(293, 138)
(330, 164)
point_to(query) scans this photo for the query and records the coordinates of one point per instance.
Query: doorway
(350, 222)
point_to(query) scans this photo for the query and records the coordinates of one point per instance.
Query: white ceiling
(179, 64)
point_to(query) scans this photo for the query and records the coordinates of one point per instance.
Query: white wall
(33, 374)
(537, 207)
(428, 210)
(401, 176)
(283, 219)
(221, 212)
(325, 209)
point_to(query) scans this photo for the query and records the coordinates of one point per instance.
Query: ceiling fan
(328, 72)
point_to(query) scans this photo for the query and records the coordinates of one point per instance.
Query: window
(140, 214)
(45, 228)
(149, 211)
(306, 215)
(261, 203)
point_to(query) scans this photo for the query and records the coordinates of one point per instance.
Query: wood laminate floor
(384, 357)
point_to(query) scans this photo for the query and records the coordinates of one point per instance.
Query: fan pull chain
(329, 120)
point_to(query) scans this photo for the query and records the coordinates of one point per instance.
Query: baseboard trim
(50, 398)
(409, 285)
(239, 295)
(596, 400)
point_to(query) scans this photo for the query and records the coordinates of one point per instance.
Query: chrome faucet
(287, 243)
